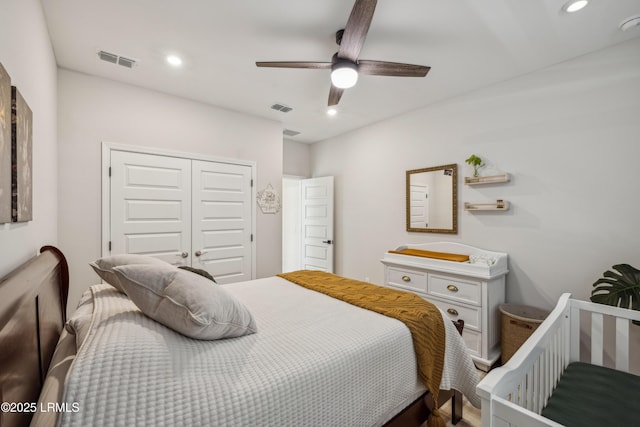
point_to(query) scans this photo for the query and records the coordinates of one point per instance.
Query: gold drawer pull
(406, 278)
(452, 311)
(452, 288)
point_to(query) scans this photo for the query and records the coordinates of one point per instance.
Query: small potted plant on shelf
(476, 162)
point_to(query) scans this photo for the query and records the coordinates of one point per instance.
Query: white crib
(516, 393)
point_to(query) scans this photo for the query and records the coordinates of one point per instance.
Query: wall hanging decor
(21, 158)
(5, 146)
(269, 200)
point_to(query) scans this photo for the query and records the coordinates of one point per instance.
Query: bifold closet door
(184, 211)
(222, 222)
(151, 206)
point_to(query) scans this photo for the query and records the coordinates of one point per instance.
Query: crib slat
(574, 334)
(535, 385)
(597, 327)
(622, 344)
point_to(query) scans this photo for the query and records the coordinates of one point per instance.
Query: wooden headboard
(33, 301)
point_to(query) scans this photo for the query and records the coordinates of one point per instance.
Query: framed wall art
(5, 146)
(21, 158)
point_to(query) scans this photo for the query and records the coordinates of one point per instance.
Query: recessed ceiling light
(575, 5)
(174, 60)
(332, 111)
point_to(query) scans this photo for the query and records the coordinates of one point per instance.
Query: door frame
(108, 147)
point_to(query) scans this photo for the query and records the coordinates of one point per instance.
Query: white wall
(26, 54)
(296, 159)
(568, 135)
(92, 110)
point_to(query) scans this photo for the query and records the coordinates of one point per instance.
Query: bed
(548, 383)
(278, 376)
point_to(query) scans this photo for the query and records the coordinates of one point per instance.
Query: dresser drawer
(455, 289)
(407, 279)
(470, 315)
(473, 340)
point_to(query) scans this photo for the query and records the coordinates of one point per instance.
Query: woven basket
(518, 323)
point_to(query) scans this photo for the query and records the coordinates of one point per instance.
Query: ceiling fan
(345, 65)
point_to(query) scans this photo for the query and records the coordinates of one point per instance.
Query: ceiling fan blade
(382, 68)
(356, 29)
(334, 95)
(296, 64)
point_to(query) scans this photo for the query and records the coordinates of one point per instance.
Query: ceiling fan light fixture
(344, 74)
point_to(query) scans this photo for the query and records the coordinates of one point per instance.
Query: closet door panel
(222, 219)
(151, 206)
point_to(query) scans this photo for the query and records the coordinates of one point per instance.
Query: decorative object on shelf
(269, 200)
(498, 205)
(621, 289)
(489, 179)
(476, 162)
(21, 158)
(5, 146)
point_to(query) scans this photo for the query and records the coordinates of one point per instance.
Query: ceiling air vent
(116, 59)
(109, 57)
(126, 62)
(289, 132)
(281, 108)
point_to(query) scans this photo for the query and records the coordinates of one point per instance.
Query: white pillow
(185, 302)
(104, 266)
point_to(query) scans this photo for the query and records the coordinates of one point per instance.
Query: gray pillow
(185, 302)
(104, 266)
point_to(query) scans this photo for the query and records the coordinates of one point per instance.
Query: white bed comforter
(314, 361)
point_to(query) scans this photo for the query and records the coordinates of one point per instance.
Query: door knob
(200, 253)
(328, 241)
(184, 254)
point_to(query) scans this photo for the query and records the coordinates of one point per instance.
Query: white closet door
(317, 224)
(151, 206)
(222, 220)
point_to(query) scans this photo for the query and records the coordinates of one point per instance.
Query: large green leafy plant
(619, 289)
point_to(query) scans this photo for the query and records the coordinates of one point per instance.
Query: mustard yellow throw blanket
(421, 317)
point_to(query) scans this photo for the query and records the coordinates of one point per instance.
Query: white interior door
(317, 224)
(222, 223)
(150, 206)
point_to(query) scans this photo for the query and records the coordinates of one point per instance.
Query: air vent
(281, 108)
(109, 57)
(289, 132)
(116, 59)
(126, 62)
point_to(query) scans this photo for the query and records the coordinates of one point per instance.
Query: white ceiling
(468, 43)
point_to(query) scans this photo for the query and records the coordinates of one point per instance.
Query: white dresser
(471, 291)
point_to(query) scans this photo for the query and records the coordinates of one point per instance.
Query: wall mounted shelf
(498, 205)
(492, 179)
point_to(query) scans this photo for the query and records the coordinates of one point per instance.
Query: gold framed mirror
(432, 199)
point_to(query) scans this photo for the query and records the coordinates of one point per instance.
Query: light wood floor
(470, 416)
